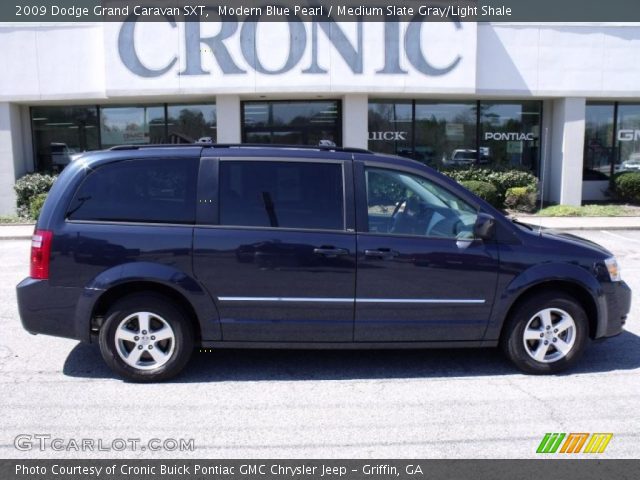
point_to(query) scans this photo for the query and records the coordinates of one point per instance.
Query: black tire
(177, 349)
(517, 349)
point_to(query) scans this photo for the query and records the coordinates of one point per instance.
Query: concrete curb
(592, 228)
(16, 231)
(582, 223)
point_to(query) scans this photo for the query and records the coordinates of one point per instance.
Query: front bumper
(49, 310)
(615, 306)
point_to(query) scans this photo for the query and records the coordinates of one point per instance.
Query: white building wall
(355, 112)
(228, 119)
(84, 61)
(559, 60)
(546, 131)
(53, 62)
(567, 146)
(12, 155)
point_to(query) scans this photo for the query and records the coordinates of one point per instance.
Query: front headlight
(612, 266)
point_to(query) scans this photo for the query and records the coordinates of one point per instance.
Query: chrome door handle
(330, 251)
(381, 253)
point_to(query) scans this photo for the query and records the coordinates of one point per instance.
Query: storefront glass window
(628, 138)
(598, 141)
(391, 128)
(190, 123)
(292, 122)
(62, 133)
(510, 134)
(446, 133)
(132, 125)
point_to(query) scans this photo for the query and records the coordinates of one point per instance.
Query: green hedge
(484, 190)
(30, 186)
(521, 199)
(627, 186)
(35, 207)
(503, 180)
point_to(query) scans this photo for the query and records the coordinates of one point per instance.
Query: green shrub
(627, 187)
(522, 199)
(35, 207)
(503, 180)
(28, 187)
(484, 190)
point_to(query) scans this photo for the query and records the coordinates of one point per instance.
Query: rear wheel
(146, 338)
(546, 333)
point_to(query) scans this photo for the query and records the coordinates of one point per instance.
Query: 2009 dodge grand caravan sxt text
(152, 251)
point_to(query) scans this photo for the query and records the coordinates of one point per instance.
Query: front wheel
(146, 338)
(546, 333)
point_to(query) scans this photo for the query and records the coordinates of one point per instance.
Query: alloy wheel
(145, 340)
(549, 335)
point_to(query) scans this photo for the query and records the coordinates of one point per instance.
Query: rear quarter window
(142, 190)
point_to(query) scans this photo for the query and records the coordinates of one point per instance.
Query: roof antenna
(542, 175)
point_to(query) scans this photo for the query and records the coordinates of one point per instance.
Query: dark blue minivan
(152, 251)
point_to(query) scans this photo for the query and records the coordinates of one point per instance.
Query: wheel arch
(575, 290)
(121, 290)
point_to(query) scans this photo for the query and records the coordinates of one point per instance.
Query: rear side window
(144, 190)
(281, 194)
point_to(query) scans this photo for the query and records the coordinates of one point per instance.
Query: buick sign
(390, 135)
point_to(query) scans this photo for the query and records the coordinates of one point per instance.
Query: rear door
(421, 274)
(275, 246)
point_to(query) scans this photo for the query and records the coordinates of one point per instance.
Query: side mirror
(485, 227)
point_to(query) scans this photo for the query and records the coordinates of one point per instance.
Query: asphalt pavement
(313, 404)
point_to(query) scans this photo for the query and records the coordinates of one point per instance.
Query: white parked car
(633, 163)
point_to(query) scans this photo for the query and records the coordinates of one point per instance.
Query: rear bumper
(50, 310)
(615, 308)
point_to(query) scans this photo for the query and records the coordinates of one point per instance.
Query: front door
(421, 274)
(280, 260)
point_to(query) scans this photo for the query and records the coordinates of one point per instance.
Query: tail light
(40, 254)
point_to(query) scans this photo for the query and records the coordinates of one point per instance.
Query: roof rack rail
(295, 147)
(242, 145)
(156, 145)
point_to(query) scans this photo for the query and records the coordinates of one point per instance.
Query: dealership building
(561, 100)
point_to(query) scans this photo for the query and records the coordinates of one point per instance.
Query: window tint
(404, 204)
(281, 194)
(157, 191)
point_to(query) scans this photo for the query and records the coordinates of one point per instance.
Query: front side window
(149, 191)
(403, 204)
(281, 194)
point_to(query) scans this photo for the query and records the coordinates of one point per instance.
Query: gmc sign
(628, 135)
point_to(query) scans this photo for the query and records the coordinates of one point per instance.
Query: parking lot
(317, 404)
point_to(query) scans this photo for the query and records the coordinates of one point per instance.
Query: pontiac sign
(510, 136)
